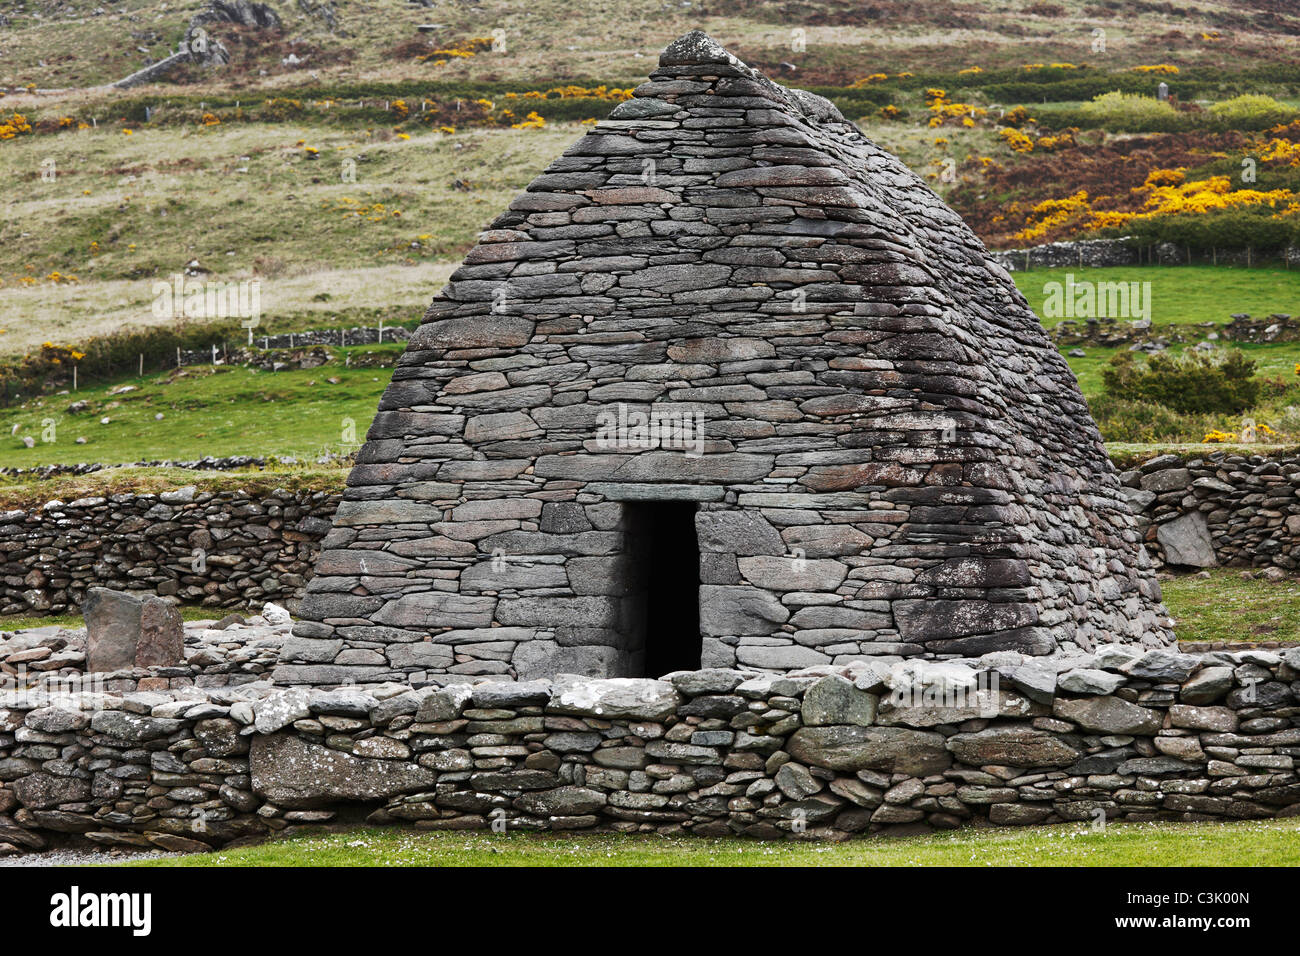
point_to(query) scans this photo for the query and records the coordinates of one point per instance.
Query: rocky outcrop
(243, 12)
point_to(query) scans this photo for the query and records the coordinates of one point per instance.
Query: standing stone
(112, 630)
(162, 635)
(124, 631)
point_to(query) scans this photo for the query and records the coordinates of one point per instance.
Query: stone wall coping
(1041, 679)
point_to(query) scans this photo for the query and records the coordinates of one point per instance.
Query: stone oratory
(728, 385)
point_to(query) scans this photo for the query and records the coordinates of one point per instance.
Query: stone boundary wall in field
(1219, 509)
(1086, 253)
(875, 747)
(218, 548)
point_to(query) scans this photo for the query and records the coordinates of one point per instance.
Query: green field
(300, 413)
(1268, 843)
(206, 410)
(1182, 295)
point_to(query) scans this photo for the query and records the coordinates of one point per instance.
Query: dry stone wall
(216, 548)
(1085, 253)
(1221, 509)
(873, 747)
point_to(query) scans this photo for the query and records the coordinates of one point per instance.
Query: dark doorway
(665, 559)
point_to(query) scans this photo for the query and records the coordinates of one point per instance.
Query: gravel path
(81, 857)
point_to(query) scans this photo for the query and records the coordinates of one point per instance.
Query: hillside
(344, 159)
(78, 43)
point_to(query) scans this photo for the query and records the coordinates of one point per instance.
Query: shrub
(1194, 382)
(280, 109)
(1136, 421)
(1244, 227)
(1251, 111)
(1131, 112)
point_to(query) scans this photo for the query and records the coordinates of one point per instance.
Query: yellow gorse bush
(1167, 195)
(1054, 213)
(1018, 141)
(532, 121)
(16, 125)
(868, 80)
(942, 109)
(1280, 150)
(460, 51)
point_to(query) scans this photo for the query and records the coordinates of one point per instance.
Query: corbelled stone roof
(897, 460)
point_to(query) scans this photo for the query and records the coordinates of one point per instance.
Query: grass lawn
(206, 410)
(1226, 607)
(1183, 294)
(1266, 843)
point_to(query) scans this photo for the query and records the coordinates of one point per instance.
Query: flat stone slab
(291, 772)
